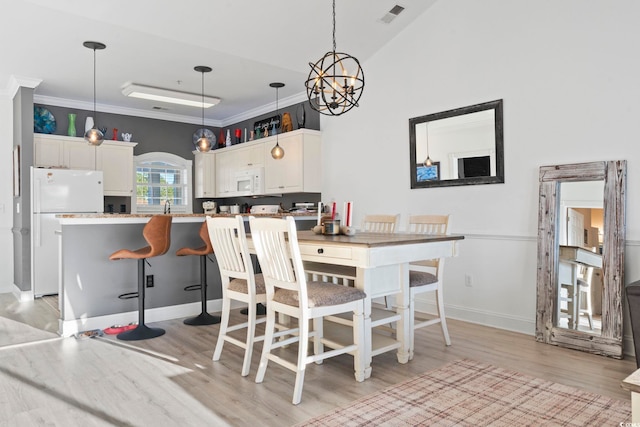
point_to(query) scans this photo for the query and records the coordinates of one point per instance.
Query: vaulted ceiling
(248, 43)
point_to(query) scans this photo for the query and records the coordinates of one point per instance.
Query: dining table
(379, 265)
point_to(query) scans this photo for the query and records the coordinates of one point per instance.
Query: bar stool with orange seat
(157, 233)
(203, 318)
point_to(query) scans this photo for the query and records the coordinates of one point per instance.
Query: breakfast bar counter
(89, 283)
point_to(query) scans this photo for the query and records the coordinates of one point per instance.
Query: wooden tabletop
(632, 382)
(376, 239)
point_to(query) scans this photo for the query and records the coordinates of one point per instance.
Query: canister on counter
(332, 227)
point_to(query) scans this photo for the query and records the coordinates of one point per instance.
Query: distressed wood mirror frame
(609, 343)
(441, 181)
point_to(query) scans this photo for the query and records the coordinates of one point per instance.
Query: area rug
(469, 393)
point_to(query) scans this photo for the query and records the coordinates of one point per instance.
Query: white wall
(569, 80)
(6, 193)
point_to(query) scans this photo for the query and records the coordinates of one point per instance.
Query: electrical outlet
(467, 280)
(150, 281)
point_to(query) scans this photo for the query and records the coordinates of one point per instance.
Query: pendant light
(427, 162)
(94, 136)
(204, 144)
(277, 152)
(336, 81)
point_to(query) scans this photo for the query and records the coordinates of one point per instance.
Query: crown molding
(159, 115)
(267, 108)
(16, 82)
(105, 108)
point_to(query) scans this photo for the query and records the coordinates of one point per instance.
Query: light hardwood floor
(171, 380)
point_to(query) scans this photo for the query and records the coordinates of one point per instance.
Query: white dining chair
(289, 294)
(239, 283)
(426, 276)
(380, 223)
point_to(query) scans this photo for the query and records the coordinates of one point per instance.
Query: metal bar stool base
(260, 310)
(142, 332)
(202, 319)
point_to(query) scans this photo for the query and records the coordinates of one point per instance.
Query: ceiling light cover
(336, 81)
(169, 96)
(94, 136)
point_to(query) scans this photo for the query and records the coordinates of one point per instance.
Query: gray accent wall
(23, 139)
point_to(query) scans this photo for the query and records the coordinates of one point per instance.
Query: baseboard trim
(67, 328)
(501, 321)
(21, 295)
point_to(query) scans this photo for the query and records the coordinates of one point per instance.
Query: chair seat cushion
(240, 285)
(421, 278)
(203, 250)
(141, 253)
(320, 294)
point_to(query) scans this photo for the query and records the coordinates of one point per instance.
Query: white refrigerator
(55, 192)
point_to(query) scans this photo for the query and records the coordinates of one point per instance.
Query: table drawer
(326, 251)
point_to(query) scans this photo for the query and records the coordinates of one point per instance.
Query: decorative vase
(301, 116)
(88, 124)
(228, 140)
(273, 130)
(115, 134)
(71, 131)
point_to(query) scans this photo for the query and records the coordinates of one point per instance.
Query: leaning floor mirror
(581, 232)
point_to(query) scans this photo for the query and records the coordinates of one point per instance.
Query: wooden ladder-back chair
(289, 294)
(426, 276)
(239, 283)
(380, 223)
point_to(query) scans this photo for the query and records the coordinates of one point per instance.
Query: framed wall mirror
(581, 232)
(457, 147)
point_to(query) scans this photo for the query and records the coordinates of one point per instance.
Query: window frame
(143, 160)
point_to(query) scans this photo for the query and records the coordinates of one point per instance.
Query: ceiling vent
(392, 14)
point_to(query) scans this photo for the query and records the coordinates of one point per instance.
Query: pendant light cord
(203, 103)
(94, 86)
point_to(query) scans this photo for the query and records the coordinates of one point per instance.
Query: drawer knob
(320, 251)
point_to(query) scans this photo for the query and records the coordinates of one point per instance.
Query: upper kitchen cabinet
(231, 160)
(55, 151)
(115, 160)
(205, 175)
(300, 170)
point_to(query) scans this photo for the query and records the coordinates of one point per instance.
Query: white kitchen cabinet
(301, 167)
(115, 160)
(205, 177)
(58, 151)
(231, 160)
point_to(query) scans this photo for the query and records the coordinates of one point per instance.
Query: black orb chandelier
(336, 81)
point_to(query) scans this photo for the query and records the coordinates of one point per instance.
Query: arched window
(163, 180)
